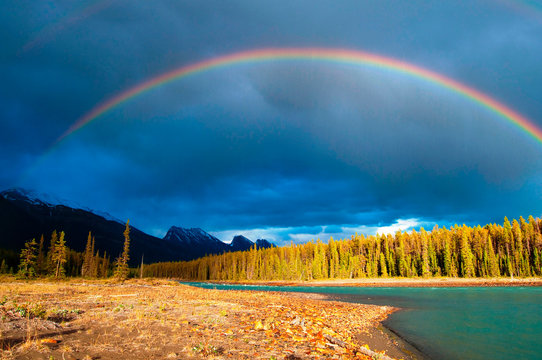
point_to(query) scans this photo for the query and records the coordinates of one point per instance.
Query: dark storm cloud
(287, 148)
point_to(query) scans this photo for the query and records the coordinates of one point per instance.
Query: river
(449, 323)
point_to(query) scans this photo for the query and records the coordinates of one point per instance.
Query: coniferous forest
(511, 249)
(57, 260)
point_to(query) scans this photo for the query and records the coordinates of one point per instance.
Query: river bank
(396, 282)
(162, 319)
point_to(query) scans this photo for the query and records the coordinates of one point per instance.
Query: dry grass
(155, 319)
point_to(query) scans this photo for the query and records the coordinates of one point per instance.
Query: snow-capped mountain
(28, 196)
(199, 243)
(40, 199)
(190, 236)
(25, 215)
(195, 242)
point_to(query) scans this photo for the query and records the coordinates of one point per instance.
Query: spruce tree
(493, 266)
(122, 269)
(50, 267)
(426, 272)
(59, 256)
(27, 266)
(87, 257)
(383, 268)
(41, 261)
(467, 266)
(4, 267)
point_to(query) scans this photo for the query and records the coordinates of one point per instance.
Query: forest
(55, 259)
(508, 250)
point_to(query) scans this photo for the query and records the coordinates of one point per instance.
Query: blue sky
(288, 151)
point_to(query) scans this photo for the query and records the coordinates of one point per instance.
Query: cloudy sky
(286, 150)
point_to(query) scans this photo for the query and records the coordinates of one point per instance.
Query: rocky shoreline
(163, 319)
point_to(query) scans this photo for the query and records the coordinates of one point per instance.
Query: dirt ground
(149, 319)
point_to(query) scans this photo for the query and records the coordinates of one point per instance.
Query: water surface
(449, 322)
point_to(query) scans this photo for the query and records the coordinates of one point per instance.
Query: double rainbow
(312, 54)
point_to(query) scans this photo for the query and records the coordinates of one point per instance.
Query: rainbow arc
(312, 54)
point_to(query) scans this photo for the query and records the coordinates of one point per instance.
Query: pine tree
(426, 272)
(383, 268)
(141, 267)
(27, 266)
(104, 268)
(50, 263)
(493, 266)
(41, 261)
(95, 264)
(59, 256)
(122, 269)
(4, 267)
(467, 266)
(87, 257)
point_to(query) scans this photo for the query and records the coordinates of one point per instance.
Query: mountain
(264, 244)
(240, 243)
(25, 215)
(195, 242)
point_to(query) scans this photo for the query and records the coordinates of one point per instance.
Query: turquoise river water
(449, 322)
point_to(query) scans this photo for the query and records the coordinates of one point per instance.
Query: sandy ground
(402, 282)
(165, 320)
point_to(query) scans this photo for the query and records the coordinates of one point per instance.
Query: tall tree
(426, 272)
(87, 257)
(467, 266)
(41, 261)
(122, 269)
(50, 263)
(59, 256)
(27, 266)
(493, 266)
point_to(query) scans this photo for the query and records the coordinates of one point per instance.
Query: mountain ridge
(25, 215)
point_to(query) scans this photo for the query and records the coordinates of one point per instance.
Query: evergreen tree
(104, 268)
(4, 267)
(426, 272)
(493, 266)
(383, 268)
(122, 270)
(50, 263)
(41, 261)
(27, 266)
(87, 257)
(59, 256)
(467, 266)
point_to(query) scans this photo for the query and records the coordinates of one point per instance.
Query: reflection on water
(451, 323)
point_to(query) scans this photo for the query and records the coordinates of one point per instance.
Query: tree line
(511, 249)
(58, 260)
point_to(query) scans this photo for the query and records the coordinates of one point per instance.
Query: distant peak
(190, 235)
(263, 243)
(41, 199)
(241, 238)
(30, 196)
(241, 243)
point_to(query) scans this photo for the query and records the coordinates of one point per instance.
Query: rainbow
(312, 54)
(49, 32)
